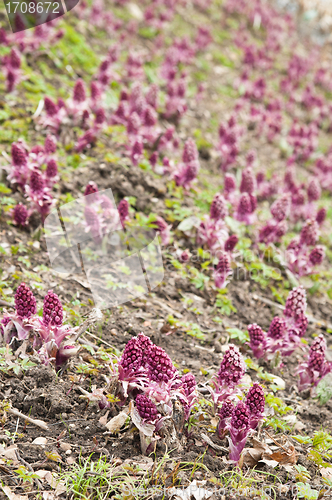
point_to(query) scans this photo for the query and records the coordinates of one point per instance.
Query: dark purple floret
(241, 416)
(14, 59)
(161, 367)
(247, 181)
(314, 190)
(232, 367)
(255, 399)
(36, 182)
(189, 383)
(95, 91)
(19, 155)
(123, 209)
(146, 408)
(296, 303)
(321, 215)
(131, 358)
(229, 183)
(50, 107)
(218, 208)
(20, 214)
(256, 334)
(277, 328)
(91, 188)
(50, 144)
(51, 169)
(231, 243)
(309, 233)
(3, 323)
(224, 265)
(52, 310)
(319, 345)
(317, 255)
(25, 302)
(190, 153)
(316, 361)
(100, 116)
(79, 91)
(280, 208)
(301, 324)
(227, 409)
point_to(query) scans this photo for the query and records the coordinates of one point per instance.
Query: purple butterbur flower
(50, 144)
(51, 169)
(239, 429)
(95, 91)
(86, 140)
(148, 421)
(25, 302)
(246, 207)
(229, 184)
(4, 323)
(277, 328)
(50, 107)
(218, 208)
(152, 96)
(316, 366)
(231, 243)
(296, 303)
(309, 233)
(317, 255)
(146, 408)
(186, 174)
(189, 388)
(52, 310)
(248, 181)
(255, 401)
(225, 414)
(36, 182)
(164, 230)
(257, 340)
(160, 366)
(136, 151)
(19, 155)
(79, 94)
(123, 209)
(223, 270)
(190, 152)
(314, 190)
(91, 188)
(100, 116)
(231, 371)
(321, 216)
(281, 207)
(20, 215)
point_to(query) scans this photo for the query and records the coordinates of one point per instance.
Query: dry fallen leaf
(65, 446)
(251, 456)
(103, 419)
(10, 452)
(11, 495)
(327, 473)
(41, 441)
(285, 457)
(115, 424)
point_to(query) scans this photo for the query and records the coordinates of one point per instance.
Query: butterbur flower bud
(152, 96)
(225, 413)
(36, 182)
(123, 209)
(19, 155)
(93, 224)
(218, 208)
(154, 158)
(241, 416)
(222, 270)
(52, 310)
(79, 91)
(91, 188)
(95, 91)
(25, 302)
(131, 359)
(50, 144)
(231, 243)
(255, 399)
(247, 181)
(51, 169)
(314, 190)
(296, 303)
(301, 325)
(316, 361)
(239, 430)
(161, 368)
(229, 183)
(257, 340)
(277, 328)
(189, 383)
(281, 207)
(190, 153)
(3, 323)
(321, 215)
(317, 255)
(245, 206)
(232, 367)
(20, 215)
(309, 233)
(100, 116)
(146, 408)
(250, 157)
(50, 107)
(14, 59)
